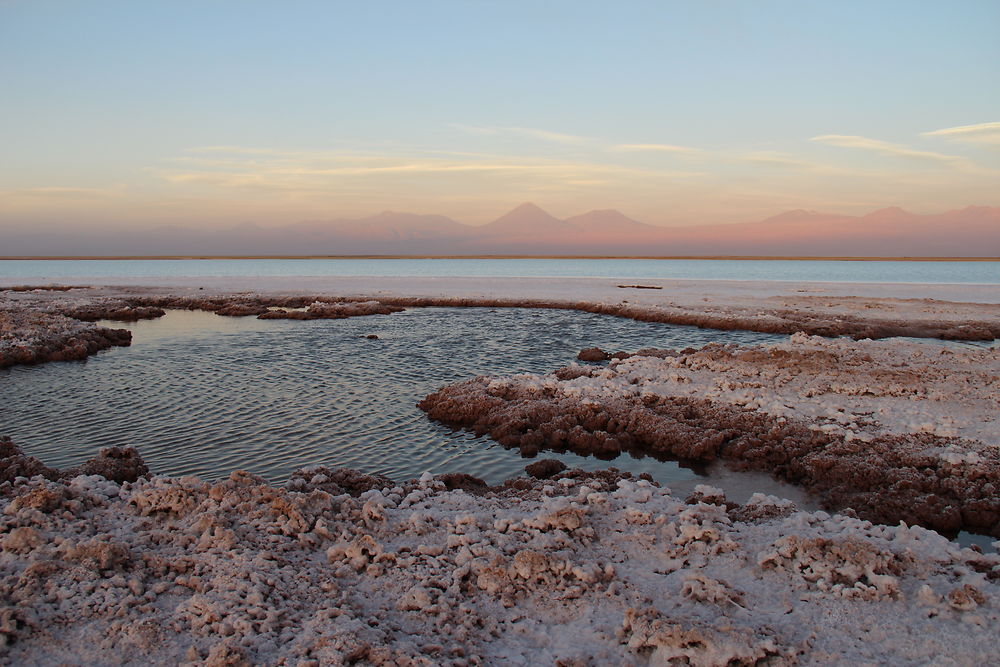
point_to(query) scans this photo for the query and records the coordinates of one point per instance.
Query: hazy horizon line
(837, 258)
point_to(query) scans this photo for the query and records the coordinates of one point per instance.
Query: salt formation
(112, 311)
(30, 337)
(895, 430)
(118, 464)
(344, 568)
(332, 310)
(231, 305)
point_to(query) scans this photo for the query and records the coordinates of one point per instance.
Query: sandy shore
(340, 568)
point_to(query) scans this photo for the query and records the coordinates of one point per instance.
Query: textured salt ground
(894, 430)
(577, 570)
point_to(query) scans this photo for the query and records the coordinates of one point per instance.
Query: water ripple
(201, 394)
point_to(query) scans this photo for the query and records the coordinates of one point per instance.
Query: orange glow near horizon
(675, 114)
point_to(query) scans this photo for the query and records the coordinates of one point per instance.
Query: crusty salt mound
(331, 310)
(28, 336)
(574, 570)
(270, 307)
(289, 308)
(118, 464)
(894, 430)
(42, 288)
(112, 311)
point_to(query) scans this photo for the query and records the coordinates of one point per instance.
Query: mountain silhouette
(973, 231)
(527, 221)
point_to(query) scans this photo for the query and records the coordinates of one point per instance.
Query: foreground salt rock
(583, 569)
(118, 464)
(894, 430)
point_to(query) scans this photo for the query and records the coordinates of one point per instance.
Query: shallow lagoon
(203, 394)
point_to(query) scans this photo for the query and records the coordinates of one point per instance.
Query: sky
(213, 113)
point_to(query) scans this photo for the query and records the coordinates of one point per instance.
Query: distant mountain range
(528, 230)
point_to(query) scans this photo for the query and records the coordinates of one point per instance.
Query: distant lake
(945, 272)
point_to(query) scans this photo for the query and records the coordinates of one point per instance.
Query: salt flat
(578, 569)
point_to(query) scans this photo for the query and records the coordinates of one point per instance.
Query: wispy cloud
(428, 167)
(317, 172)
(885, 148)
(981, 133)
(777, 159)
(223, 155)
(235, 150)
(58, 192)
(658, 148)
(533, 133)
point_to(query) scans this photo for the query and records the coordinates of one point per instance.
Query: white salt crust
(856, 389)
(559, 572)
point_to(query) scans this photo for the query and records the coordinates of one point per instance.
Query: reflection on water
(203, 394)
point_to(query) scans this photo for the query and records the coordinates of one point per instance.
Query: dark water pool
(203, 394)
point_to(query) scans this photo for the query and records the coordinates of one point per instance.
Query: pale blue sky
(140, 113)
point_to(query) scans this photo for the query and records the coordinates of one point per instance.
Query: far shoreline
(808, 258)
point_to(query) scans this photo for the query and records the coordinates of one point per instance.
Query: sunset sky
(214, 113)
